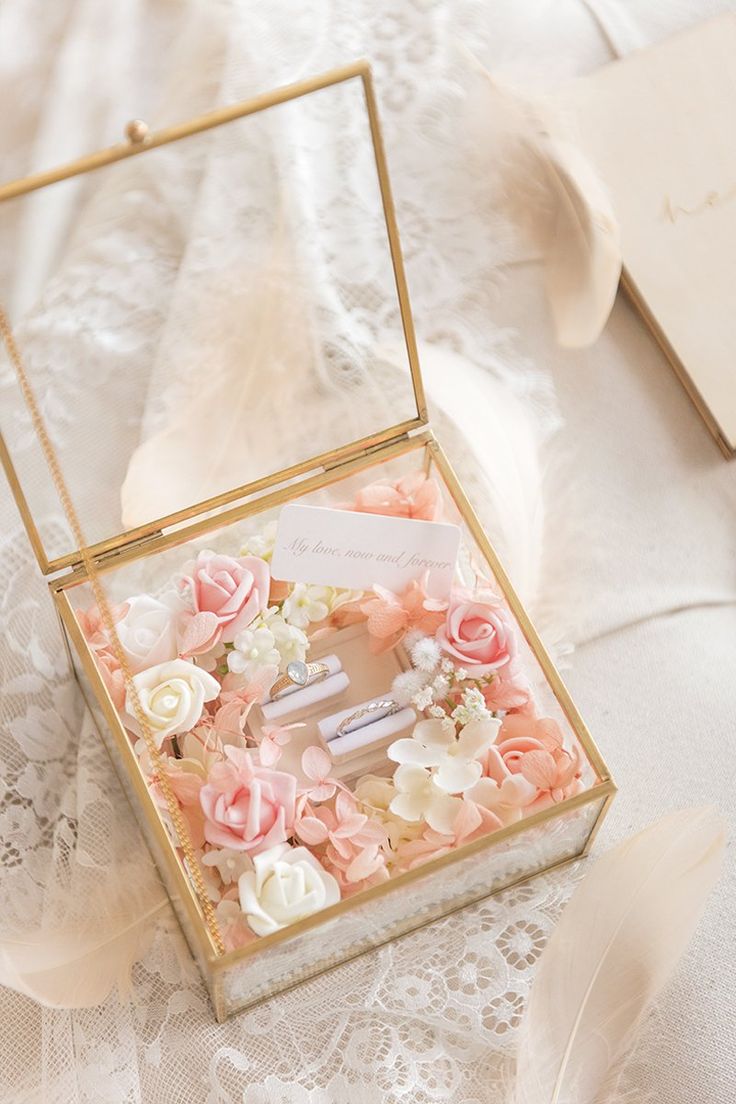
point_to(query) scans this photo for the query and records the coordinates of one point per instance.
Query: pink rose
(414, 496)
(247, 807)
(226, 594)
(477, 635)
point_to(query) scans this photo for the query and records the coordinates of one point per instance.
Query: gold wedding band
(297, 675)
(381, 708)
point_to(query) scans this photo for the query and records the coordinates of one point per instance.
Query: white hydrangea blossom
(290, 642)
(253, 648)
(229, 864)
(451, 760)
(306, 604)
(261, 544)
(418, 798)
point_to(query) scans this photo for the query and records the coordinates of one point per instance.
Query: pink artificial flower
(278, 591)
(231, 921)
(94, 632)
(226, 595)
(93, 629)
(391, 616)
(501, 791)
(247, 807)
(533, 749)
(478, 635)
(274, 738)
(509, 691)
(471, 822)
(112, 676)
(413, 496)
(316, 765)
(186, 780)
(238, 695)
(355, 845)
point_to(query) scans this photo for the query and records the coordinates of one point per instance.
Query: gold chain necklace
(159, 773)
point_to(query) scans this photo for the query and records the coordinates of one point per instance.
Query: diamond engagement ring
(374, 711)
(297, 675)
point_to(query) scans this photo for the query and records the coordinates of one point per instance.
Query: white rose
(147, 633)
(287, 884)
(172, 696)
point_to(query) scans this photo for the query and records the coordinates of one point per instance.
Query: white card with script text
(343, 548)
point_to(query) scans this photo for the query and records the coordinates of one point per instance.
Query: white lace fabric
(432, 1017)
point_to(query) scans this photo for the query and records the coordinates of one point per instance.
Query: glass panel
(530, 745)
(224, 308)
(432, 895)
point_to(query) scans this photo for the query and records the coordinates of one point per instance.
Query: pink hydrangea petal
(363, 865)
(539, 768)
(311, 830)
(350, 826)
(323, 791)
(316, 763)
(467, 820)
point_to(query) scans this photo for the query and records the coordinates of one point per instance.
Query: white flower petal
(487, 793)
(409, 777)
(455, 775)
(408, 806)
(477, 736)
(441, 812)
(435, 734)
(410, 751)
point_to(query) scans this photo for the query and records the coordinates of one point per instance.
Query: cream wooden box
(372, 423)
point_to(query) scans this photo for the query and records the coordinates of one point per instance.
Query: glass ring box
(331, 714)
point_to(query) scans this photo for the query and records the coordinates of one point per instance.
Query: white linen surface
(431, 1018)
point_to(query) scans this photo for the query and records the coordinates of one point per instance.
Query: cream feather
(553, 194)
(274, 372)
(619, 940)
(233, 400)
(495, 439)
(76, 963)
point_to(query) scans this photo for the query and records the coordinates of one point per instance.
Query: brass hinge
(105, 557)
(368, 450)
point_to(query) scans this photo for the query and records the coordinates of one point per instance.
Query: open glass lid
(215, 308)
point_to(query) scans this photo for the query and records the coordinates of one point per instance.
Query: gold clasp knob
(136, 131)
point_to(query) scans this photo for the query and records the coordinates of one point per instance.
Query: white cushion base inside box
(369, 676)
(368, 737)
(306, 697)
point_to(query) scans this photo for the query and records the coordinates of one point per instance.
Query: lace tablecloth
(431, 1018)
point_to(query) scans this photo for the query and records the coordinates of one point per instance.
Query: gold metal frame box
(376, 426)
